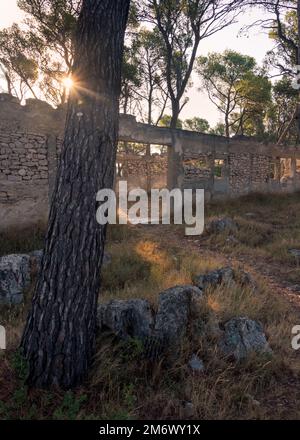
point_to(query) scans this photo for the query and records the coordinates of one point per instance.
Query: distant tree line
(163, 39)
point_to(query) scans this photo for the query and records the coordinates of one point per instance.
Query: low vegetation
(268, 228)
(146, 260)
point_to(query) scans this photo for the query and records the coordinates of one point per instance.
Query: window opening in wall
(142, 165)
(219, 168)
(119, 169)
(272, 170)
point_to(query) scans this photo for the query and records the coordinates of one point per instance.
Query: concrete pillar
(277, 169)
(175, 167)
(293, 167)
(148, 168)
(294, 171)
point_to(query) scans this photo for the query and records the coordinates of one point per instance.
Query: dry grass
(225, 390)
(124, 385)
(18, 241)
(268, 226)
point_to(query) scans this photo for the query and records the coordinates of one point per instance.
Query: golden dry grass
(124, 385)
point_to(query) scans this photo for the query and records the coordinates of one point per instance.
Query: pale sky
(256, 45)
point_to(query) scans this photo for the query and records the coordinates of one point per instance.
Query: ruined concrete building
(31, 140)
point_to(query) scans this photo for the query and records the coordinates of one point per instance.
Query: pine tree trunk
(175, 114)
(59, 337)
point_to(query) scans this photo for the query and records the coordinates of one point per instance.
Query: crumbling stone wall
(249, 172)
(261, 169)
(139, 170)
(142, 171)
(240, 172)
(31, 141)
(197, 166)
(23, 158)
(135, 165)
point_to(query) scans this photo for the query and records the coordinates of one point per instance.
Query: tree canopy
(237, 88)
(162, 52)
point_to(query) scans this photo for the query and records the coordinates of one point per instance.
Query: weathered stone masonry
(23, 158)
(31, 140)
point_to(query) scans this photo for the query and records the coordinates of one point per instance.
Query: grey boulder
(174, 309)
(196, 364)
(126, 318)
(14, 278)
(220, 225)
(294, 252)
(225, 275)
(243, 337)
(246, 280)
(159, 332)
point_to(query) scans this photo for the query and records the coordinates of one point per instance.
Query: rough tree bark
(59, 337)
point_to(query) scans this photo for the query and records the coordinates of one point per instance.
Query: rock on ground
(174, 310)
(160, 331)
(17, 271)
(225, 275)
(242, 337)
(14, 278)
(196, 364)
(220, 225)
(246, 279)
(294, 252)
(131, 318)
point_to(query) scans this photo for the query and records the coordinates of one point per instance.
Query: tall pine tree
(59, 336)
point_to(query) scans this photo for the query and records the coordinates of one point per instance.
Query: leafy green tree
(131, 80)
(152, 94)
(51, 25)
(218, 129)
(253, 100)
(18, 61)
(281, 122)
(236, 88)
(166, 120)
(197, 124)
(283, 24)
(220, 74)
(183, 24)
